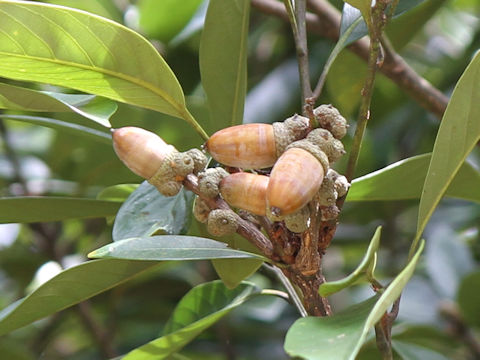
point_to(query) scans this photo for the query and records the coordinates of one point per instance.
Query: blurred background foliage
(440, 307)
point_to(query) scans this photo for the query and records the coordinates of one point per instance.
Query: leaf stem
(189, 117)
(290, 289)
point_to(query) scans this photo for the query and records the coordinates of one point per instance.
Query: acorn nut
(255, 146)
(147, 155)
(245, 191)
(294, 180)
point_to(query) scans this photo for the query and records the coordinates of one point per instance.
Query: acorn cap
(140, 150)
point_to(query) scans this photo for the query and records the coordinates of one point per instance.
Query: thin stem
(299, 29)
(375, 29)
(290, 289)
(383, 343)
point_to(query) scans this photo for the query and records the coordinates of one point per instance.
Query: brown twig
(326, 23)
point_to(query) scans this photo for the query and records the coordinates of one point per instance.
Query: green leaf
(340, 337)
(147, 212)
(410, 351)
(233, 271)
(199, 309)
(458, 134)
(407, 177)
(468, 298)
(223, 60)
(43, 209)
(92, 107)
(170, 247)
(331, 287)
(165, 19)
(117, 192)
(363, 5)
(71, 128)
(96, 55)
(69, 287)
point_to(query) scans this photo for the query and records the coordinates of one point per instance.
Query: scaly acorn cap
(314, 150)
(171, 173)
(222, 222)
(330, 118)
(329, 212)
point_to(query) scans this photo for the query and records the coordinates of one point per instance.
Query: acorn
(222, 222)
(294, 180)
(148, 156)
(245, 191)
(255, 146)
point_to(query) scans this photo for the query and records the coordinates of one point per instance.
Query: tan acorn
(147, 155)
(245, 191)
(140, 150)
(294, 180)
(255, 146)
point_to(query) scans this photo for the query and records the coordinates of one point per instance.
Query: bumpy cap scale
(222, 222)
(329, 118)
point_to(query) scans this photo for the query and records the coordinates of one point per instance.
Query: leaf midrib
(142, 83)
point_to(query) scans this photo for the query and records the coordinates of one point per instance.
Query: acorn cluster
(298, 156)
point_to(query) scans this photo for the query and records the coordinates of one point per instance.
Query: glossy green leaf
(233, 271)
(406, 177)
(170, 247)
(331, 287)
(147, 212)
(468, 298)
(362, 5)
(92, 107)
(70, 287)
(95, 56)
(351, 13)
(341, 336)
(42, 209)
(165, 19)
(199, 309)
(459, 132)
(117, 192)
(409, 351)
(223, 60)
(71, 128)
(403, 28)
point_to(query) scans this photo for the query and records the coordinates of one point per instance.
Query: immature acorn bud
(327, 194)
(330, 118)
(298, 221)
(199, 160)
(140, 150)
(245, 191)
(209, 180)
(327, 143)
(294, 180)
(329, 213)
(222, 222)
(201, 210)
(255, 146)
